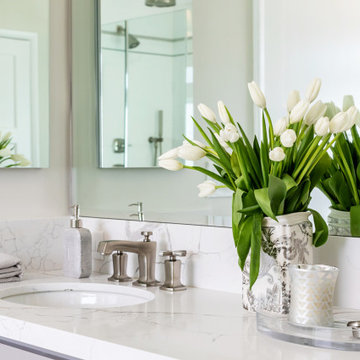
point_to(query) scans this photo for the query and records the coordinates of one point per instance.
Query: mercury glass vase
(339, 223)
(312, 292)
(284, 242)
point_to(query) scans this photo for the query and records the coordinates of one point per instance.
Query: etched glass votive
(312, 291)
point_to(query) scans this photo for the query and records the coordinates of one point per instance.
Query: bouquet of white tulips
(271, 177)
(7, 157)
(341, 182)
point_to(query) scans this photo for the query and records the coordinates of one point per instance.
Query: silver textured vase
(288, 241)
(339, 223)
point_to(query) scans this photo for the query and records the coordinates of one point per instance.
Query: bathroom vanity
(193, 324)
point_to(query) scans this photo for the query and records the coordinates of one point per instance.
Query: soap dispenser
(77, 248)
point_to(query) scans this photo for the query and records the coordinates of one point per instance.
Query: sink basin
(75, 295)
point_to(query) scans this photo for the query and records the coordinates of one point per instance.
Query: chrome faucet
(146, 251)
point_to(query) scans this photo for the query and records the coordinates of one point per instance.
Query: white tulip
(339, 123)
(171, 154)
(293, 99)
(313, 90)
(206, 188)
(322, 126)
(229, 133)
(207, 113)
(224, 116)
(191, 152)
(299, 110)
(257, 95)
(288, 137)
(353, 114)
(315, 113)
(223, 143)
(281, 125)
(20, 159)
(171, 164)
(277, 154)
(348, 101)
(5, 152)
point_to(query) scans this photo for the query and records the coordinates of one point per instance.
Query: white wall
(35, 193)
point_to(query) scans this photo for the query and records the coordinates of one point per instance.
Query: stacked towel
(10, 268)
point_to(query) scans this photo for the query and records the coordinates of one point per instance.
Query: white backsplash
(211, 260)
(37, 242)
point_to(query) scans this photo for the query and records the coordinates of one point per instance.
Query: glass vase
(312, 292)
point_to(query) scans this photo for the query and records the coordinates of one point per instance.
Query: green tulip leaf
(262, 198)
(320, 169)
(277, 193)
(256, 237)
(244, 242)
(320, 235)
(289, 182)
(355, 220)
(237, 204)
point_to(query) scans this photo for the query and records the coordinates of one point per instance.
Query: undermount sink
(75, 295)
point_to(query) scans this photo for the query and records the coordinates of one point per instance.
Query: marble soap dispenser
(77, 249)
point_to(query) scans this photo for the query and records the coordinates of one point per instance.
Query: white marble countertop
(193, 324)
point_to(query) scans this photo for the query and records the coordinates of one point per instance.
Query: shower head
(133, 41)
(160, 3)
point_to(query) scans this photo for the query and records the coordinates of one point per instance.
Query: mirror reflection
(146, 80)
(24, 85)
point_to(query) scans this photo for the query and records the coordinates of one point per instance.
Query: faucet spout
(146, 251)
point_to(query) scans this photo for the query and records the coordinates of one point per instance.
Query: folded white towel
(10, 268)
(7, 261)
(11, 279)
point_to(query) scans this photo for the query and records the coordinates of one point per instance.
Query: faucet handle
(173, 254)
(146, 235)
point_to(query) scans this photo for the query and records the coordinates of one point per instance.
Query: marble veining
(37, 242)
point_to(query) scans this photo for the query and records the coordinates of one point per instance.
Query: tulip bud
(171, 154)
(229, 133)
(315, 113)
(322, 126)
(298, 112)
(288, 137)
(293, 99)
(170, 164)
(224, 116)
(354, 116)
(257, 95)
(348, 101)
(5, 152)
(207, 113)
(313, 90)
(7, 136)
(277, 154)
(339, 123)
(281, 125)
(191, 152)
(20, 159)
(206, 188)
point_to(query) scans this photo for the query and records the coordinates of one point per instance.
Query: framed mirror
(24, 85)
(146, 81)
